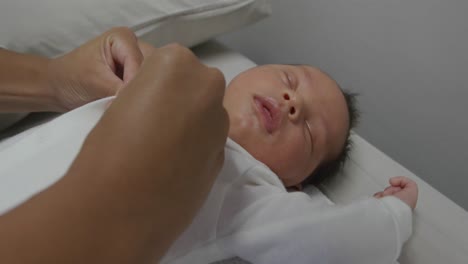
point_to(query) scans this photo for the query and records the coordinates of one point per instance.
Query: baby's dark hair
(331, 168)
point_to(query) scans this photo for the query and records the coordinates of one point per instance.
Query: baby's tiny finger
(378, 194)
(398, 181)
(391, 190)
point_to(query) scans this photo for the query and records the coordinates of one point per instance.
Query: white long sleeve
(290, 228)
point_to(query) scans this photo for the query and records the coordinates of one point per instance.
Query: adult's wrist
(24, 83)
(56, 83)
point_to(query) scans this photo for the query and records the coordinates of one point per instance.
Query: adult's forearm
(24, 83)
(109, 207)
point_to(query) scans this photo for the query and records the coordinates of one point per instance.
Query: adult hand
(403, 188)
(140, 176)
(97, 69)
(174, 93)
(163, 138)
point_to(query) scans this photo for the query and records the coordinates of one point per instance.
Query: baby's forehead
(306, 69)
(299, 67)
(300, 71)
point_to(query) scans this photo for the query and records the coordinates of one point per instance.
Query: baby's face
(292, 118)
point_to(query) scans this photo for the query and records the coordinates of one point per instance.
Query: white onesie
(248, 212)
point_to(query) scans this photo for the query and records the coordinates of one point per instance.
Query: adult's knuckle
(121, 34)
(122, 31)
(217, 77)
(226, 123)
(177, 52)
(220, 122)
(175, 46)
(178, 49)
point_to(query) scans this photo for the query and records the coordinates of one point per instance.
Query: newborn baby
(296, 120)
(286, 123)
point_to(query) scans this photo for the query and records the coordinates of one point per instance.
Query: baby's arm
(292, 228)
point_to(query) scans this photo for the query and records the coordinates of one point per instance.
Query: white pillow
(53, 27)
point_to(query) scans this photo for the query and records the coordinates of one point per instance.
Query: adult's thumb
(125, 52)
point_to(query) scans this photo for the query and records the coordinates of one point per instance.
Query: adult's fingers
(146, 48)
(125, 52)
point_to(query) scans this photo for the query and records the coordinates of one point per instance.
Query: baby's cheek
(292, 158)
(297, 148)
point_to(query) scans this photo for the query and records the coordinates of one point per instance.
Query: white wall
(407, 58)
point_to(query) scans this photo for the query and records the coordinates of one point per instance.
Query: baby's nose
(292, 104)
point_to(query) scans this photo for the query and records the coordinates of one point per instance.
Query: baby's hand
(403, 188)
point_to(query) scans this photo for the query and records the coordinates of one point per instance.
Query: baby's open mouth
(269, 112)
